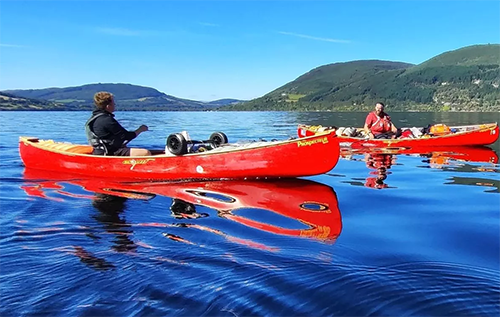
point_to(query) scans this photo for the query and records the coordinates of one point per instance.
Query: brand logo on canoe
(135, 162)
(323, 140)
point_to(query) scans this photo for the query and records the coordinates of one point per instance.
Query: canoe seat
(81, 149)
(66, 147)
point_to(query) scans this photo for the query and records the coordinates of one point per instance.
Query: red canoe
(477, 154)
(274, 159)
(313, 205)
(482, 134)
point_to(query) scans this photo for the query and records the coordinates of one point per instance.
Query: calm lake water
(420, 238)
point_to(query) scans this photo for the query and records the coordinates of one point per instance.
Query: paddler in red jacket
(378, 124)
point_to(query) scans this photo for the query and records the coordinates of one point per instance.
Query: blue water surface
(386, 235)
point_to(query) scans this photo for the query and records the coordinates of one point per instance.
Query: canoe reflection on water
(314, 206)
(492, 185)
(380, 161)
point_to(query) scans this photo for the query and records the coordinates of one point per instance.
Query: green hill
(322, 79)
(12, 102)
(127, 96)
(464, 79)
(466, 56)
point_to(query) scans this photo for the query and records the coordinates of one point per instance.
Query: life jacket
(381, 125)
(93, 139)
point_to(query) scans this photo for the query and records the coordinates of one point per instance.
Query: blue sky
(207, 50)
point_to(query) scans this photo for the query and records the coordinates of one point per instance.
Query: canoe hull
(482, 135)
(292, 158)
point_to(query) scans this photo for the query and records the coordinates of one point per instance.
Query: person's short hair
(380, 103)
(102, 99)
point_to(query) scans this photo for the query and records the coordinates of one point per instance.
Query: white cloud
(122, 31)
(324, 39)
(13, 45)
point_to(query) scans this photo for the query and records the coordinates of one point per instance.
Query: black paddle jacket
(108, 130)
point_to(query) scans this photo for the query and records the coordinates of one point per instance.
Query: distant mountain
(12, 102)
(464, 79)
(224, 102)
(127, 96)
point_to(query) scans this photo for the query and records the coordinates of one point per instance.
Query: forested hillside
(127, 96)
(464, 79)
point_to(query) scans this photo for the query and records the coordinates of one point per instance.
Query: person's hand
(370, 135)
(141, 129)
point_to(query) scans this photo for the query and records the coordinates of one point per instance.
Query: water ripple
(425, 244)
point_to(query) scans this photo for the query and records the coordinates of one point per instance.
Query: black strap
(89, 121)
(93, 139)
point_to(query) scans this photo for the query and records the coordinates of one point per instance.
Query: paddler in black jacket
(105, 134)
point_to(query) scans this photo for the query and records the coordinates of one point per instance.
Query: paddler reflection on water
(110, 215)
(379, 164)
(109, 208)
